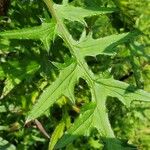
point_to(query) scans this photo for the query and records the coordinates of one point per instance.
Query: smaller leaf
(15, 73)
(80, 127)
(58, 132)
(5, 145)
(3, 109)
(44, 32)
(78, 13)
(95, 143)
(123, 91)
(2, 74)
(53, 92)
(2, 128)
(105, 45)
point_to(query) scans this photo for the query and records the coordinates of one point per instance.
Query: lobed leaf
(78, 13)
(93, 114)
(123, 91)
(100, 116)
(44, 32)
(105, 45)
(53, 92)
(81, 126)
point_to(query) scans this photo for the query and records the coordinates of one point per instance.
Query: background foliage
(26, 69)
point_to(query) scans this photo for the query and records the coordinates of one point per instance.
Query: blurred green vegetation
(25, 70)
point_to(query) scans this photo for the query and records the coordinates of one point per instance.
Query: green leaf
(15, 73)
(5, 145)
(2, 74)
(78, 13)
(123, 91)
(6, 128)
(100, 116)
(92, 47)
(95, 143)
(97, 116)
(90, 116)
(53, 92)
(44, 32)
(81, 126)
(3, 109)
(58, 132)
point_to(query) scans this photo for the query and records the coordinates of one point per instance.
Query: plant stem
(60, 25)
(68, 40)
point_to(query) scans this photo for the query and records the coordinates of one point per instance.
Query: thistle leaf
(124, 92)
(70, 12)
(95, 114)
(44, 33)
(53, 92)
(78, 128)
(105, 45)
